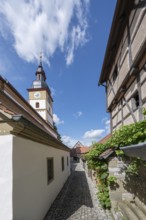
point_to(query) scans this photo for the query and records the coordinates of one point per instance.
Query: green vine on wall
(101, 168)
(125, 136)
(133, 167)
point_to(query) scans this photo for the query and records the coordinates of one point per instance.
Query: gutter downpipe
(136, 150)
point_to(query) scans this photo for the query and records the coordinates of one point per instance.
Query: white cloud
(87, 142)
(70, 142)
(87, 139)
(40, 25)
(78, 114)
(57, 120)
(90, 136)
(107, 122)
(53, 92)
(93, 134)
(104, 119)
(67, 140)
(107, 126)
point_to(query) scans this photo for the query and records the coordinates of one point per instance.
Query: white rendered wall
(42, 113)
(6, 212)
(32, 196)
(42, 110)
(41, 102)
(50, 119)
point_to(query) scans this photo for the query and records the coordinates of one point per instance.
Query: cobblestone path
(77, 200)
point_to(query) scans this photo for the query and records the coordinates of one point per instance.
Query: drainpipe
(136, 150)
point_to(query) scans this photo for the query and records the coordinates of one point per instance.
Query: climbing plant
(125, 136)
(55, 128)
(144, 112)
(101, 168)
(129, 134)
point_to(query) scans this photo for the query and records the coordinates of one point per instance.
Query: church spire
(40, 81)
(41, 55)
(40, 73)
(40, 95)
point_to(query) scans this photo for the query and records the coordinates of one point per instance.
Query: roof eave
(34, 133)
(118, 25)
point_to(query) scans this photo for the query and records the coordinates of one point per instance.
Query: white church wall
(32, 195)
(42, 114)
(41, 102)
(6, 211)
(50, 119)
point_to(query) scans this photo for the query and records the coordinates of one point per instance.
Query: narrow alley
(77, 200)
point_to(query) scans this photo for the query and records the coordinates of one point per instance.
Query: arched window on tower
(37, 104)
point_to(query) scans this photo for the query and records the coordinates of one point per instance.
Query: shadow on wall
(136, 184)
(73, 196)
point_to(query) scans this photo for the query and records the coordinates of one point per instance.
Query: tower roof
(41, 71)
(40, 82)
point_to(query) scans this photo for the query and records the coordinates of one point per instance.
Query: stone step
(116, 214)
(136, 210)
(110, 214)
(128, 214)
(141, 205)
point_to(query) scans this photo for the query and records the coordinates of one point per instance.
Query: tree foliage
(55, 128)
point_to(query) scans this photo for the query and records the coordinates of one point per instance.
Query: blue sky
(72, 34)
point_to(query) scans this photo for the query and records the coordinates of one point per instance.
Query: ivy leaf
(104, 176)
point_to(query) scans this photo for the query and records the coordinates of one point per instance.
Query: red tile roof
(79, 150)
(103, 140)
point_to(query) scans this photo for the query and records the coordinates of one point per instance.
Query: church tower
(40, 95)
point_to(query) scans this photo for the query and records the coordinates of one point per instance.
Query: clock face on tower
(37, 95)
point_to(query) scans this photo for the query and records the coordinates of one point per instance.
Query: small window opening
(67, 161)
(37, 104)
(115, 74)
(50, 169)
(135, 100)
(62, 161)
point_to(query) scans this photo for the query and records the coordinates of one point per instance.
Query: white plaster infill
(137, 150)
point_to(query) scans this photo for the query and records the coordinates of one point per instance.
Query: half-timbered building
(124, 68)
